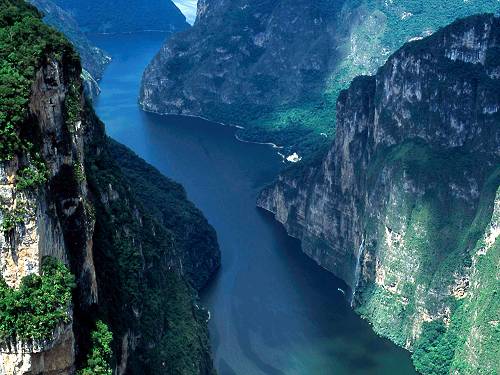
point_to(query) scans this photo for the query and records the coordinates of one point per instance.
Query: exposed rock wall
(242, 53)
(55, 221)
(407, 189)
(146, 275)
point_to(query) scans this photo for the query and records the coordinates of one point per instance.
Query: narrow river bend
(273, 310)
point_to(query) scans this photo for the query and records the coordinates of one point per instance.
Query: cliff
(277, 67)
(147, 275)
(78, 246)
(124, 16)
(404, 206)
(94, 60)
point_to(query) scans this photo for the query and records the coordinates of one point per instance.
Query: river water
(273, 310)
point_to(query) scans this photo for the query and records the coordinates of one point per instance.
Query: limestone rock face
(399, 204)
(242, 52)
(55, 219)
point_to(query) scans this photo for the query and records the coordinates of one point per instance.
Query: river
(273, 310)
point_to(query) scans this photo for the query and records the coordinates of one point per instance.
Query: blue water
(273, 310)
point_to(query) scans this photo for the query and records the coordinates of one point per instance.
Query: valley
(272, 310)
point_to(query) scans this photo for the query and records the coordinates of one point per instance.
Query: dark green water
(273, 310)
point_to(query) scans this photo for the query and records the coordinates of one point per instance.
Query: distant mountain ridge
(121, 16)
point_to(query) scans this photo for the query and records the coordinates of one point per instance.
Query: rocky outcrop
(241, 56)
(55, 220)
(400, 204)
(277, 67)
(148, 272)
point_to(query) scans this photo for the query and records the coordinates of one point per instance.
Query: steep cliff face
(44, 206)
(146, 274)
(94, 60)
(106, 16)
(401, 206)
(277, 67)
(67, 208)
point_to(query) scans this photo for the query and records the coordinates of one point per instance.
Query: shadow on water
(273, 310)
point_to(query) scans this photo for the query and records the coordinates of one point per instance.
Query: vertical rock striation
(243, 56)
(401, 206)
(55, 222)
(64, 196)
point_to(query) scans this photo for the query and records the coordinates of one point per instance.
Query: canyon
(389, 182)
(277, 67)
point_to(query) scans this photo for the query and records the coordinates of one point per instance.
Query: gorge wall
(79, 244)
(277, 67)
(404, 207)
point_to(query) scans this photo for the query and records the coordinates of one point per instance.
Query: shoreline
(239, 127)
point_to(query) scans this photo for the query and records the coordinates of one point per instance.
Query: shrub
(33, 311)
(98, 361)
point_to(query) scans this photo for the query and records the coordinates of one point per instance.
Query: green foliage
(33, 175)
(79, 171)
(136, 253)
(381, 29)
(11, 218)
(25, 43)
(435, 349)
(167, 202)
(442, 233)
(93, 59)
(72, 104)
(41, 302)
(99, 359)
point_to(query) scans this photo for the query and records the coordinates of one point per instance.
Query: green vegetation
(79, 171)
(443, 234)
(435, 349)
(13, 217)
(33, 311)
(25, 43)
(99, 359)
(137, 254)
(167, 202)
(94, 60)
(34, 174)
(470, 343)
(72, 104)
